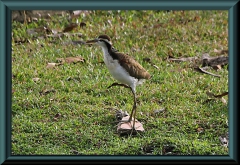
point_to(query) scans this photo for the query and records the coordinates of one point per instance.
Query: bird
(125, 69)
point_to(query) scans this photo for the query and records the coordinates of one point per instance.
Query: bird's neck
(105, 50)
(108, 53)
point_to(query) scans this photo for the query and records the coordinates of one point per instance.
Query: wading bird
(123, 68)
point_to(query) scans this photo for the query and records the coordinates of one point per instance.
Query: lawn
(66, 108)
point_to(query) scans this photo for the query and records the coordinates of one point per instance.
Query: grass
(76, 116)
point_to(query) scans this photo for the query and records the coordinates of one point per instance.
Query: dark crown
(104, 36)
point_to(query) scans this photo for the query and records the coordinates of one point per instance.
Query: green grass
(77, 117)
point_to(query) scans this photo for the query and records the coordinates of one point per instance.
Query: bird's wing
(132, 66)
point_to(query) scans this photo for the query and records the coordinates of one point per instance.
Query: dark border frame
(5, 70)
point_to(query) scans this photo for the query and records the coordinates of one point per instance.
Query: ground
(65, 107)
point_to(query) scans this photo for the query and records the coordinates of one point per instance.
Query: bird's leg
(134, 109)
(124, 85)
(117, 84)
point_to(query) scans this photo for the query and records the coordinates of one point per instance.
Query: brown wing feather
(132, 66)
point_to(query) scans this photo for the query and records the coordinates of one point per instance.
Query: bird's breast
(117, 71)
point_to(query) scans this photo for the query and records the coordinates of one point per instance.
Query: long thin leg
(134, 109)
(134, 104)
(117, 84)
(133, 113)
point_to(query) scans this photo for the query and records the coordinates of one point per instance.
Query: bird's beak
(92, 41)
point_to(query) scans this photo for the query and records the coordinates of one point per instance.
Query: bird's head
(102, 40)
